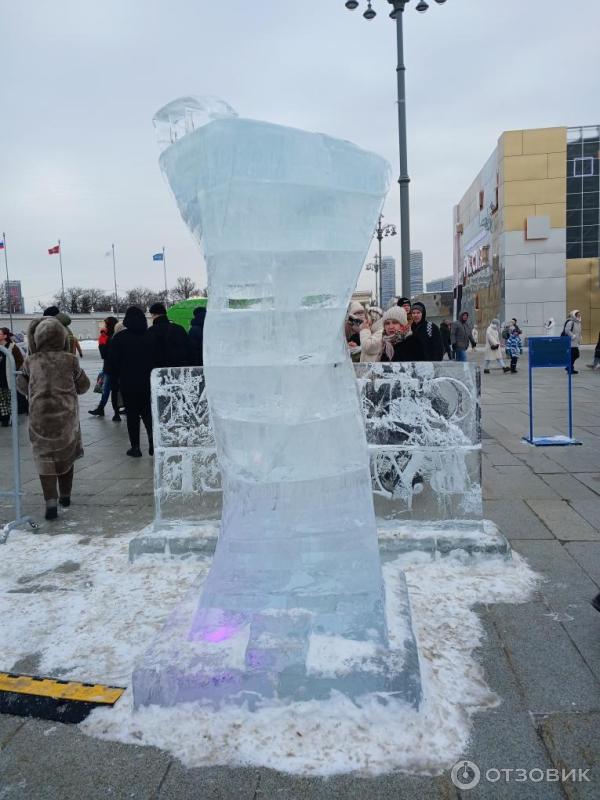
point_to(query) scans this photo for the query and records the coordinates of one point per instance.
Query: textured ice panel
(285, 218)
(422, 423)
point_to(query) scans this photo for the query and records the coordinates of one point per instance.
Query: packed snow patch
(87, 614)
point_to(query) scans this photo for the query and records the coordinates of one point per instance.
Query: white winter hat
(397, 313)
(356, 308)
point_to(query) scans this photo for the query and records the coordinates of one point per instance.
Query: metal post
(570, 376)
(7, 281)
(62, 282)
(379, 237)
(115, 279)
(14, 412)
(530, 400)
(164, 258)
(403, 180)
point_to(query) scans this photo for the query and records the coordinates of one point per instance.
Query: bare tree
(184, 289)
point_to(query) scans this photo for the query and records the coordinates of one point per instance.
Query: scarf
(390, 341)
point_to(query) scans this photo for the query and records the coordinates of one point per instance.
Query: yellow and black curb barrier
(53, 699)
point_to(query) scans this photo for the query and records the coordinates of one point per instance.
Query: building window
(583, 167)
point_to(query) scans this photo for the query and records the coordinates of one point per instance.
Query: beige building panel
(580, 266)
(594, 325)
(556, 211)
(557, 165)
(511, 144)
(520, 193)
(523, 168)
(515, 216)
(545, 140)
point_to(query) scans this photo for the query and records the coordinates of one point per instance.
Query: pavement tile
(515, 519)
(51, 761)
(587, 555)
(566, 581)
(590, 479)
(508, 740)
(569, 488)
(573, 742)
(514, 482)
(208, 783)
(564, 522)
(278, 786)
(589, 510)
(8, 728)
(498, 672)
(551, 671)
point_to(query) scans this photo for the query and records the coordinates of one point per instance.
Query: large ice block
(285, 218)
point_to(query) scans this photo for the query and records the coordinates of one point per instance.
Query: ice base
(274, 656)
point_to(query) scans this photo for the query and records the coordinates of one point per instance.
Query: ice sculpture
(285, 218)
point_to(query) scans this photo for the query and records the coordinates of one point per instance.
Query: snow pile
(91, 622)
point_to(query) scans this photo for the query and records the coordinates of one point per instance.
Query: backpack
(564, 330)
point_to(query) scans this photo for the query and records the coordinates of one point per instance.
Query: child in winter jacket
(514, 348)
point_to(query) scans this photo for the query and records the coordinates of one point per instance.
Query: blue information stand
(550, 352)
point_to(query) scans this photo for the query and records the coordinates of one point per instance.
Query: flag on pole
(52, 251)
(108, 254)
(1, 244)
(158, 257)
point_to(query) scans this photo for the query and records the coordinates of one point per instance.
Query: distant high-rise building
(441, 284)
(416, 272)
(388, 280)
(12, 297)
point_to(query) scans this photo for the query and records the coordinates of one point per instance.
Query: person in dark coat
(461, 336)
(427, 333)
(168, 342)
(196, 336)
(110, 387)
(129, 361)
(445, 334)
(398, 343)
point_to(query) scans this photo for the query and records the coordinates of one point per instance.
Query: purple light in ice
(220, 634)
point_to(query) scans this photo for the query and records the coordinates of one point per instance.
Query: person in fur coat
(493, 349)
(51, 378)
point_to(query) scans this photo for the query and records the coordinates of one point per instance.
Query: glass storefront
(583, 192)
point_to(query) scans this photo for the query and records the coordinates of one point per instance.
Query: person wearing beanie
(129, 362)
(196, 336)
(168, 342)
(427, 333)
(461, 336)
(398, 342)
(404, 302)
(51, 379)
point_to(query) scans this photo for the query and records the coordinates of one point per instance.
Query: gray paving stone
(514, 482)
(498, 455)
(564, 522)
(590, 479)
(566, 582)
(589, 510)
(8, 728)
(539, 463)
(587, 555)
(277, 786)
(573, 741)
(208, 783)
(515, 519)
(508, 741)
(552, 673)
(498, 671)
(47, 761)
(569, 488)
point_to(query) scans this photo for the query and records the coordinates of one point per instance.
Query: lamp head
(351, 4)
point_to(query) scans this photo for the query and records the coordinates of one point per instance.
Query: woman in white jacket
(493, 350)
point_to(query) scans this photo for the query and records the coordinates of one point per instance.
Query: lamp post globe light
(397, 14)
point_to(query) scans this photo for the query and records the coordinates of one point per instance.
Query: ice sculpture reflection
(285, 218)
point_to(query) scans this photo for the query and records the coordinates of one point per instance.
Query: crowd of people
(50, 378)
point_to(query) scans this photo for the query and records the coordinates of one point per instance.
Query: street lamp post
(375, 266)
(397, 14)
(381, 231)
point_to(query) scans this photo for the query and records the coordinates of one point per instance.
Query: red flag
(52, 251)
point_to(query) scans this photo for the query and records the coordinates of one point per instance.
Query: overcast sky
(81, 81)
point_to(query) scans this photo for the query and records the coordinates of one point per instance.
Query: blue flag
(158, 257)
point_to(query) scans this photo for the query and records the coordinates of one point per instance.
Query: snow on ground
(90, 623)
(89, 344)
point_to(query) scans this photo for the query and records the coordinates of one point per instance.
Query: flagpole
(115, 277)
(165, 271)
(62, 282)
(7, 281)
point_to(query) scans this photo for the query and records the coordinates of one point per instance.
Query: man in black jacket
(169, 344)
(427, 333)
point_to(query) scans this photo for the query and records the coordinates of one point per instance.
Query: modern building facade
(526, 241)
(388, 280)
(416, 272)
(12, 297)
(441, 284)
